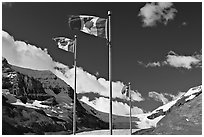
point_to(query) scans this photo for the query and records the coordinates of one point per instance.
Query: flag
(125, 89)
(65, 43)
(89, 24)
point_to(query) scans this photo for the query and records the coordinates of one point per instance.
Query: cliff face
(20, 85)
(38, 102)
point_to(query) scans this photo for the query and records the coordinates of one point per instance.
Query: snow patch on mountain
(193, 90)
(166, 106)
(145, 122)
(36, 104)
(192, 93)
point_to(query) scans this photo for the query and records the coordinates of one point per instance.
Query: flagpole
(130, 108)
(110, 70)
(74, 106)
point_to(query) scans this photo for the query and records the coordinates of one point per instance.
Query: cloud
(153, 64)
(177, 61)
(150, 64)
(164, 97)
(87, 82)
(155, 12)
(174, 97)
(119, 108)
(25, 55)
(182, 61)
(158, 97)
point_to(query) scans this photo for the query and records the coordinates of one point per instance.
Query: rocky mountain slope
(180, 117)
(38, 102)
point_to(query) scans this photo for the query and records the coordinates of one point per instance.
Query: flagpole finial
(109, 13)
(129, 83)
(75, 36)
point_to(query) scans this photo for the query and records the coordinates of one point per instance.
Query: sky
(155, 46)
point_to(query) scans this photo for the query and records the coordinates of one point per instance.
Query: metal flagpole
(130, 108)
(74, 108)
(110, 79)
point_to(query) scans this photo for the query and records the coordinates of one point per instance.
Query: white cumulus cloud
(25, 55)
(150, 64)
(177, 61)
(174, 97)
(153, 64)
(87, 82)
(155, 12)
(158, 97)
(182, 61)
(119, 108)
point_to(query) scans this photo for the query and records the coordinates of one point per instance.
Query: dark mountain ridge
(25, 86)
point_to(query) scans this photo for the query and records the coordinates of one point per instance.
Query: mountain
(182, 116)
(38, 102)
